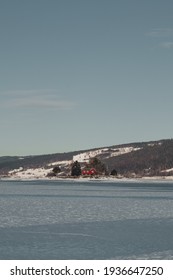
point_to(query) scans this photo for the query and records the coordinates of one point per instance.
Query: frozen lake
(86, 220)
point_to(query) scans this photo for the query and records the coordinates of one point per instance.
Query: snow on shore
(31, 173)
(41, 173)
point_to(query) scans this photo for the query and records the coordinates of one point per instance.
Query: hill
(154, 158)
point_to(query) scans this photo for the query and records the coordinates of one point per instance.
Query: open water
(86, 220)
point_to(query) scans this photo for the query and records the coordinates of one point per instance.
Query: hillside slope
(153, 158)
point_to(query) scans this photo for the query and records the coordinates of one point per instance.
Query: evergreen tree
(98, 165)
(114, 172)
(56, 169)
(76, 169)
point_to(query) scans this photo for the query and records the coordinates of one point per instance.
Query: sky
(81, 74)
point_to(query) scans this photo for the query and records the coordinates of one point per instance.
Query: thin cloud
(35, 99)
(167, 45)
(41, 103)
(161, 32)
(161, 35)
(28, 92)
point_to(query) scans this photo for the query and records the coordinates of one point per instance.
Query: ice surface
(86, 220)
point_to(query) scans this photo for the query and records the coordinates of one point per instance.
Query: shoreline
(95, 179)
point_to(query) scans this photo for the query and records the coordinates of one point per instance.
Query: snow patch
(154, 144)
(15, 170)
(122, 151)
(167, 170)
(63, 162)
(85, 157)
(30, 173)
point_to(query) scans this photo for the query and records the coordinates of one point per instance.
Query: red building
(89, 172)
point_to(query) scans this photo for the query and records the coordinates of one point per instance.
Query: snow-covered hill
(104, 153)
(42, 172)
(143, 159)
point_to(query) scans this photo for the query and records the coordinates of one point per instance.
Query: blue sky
(79, 74)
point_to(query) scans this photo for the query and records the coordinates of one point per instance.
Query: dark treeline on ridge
(146, 159)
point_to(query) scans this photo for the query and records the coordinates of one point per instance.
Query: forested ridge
(146, 159)
(152, 159)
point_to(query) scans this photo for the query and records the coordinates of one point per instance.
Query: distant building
(90, 172)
